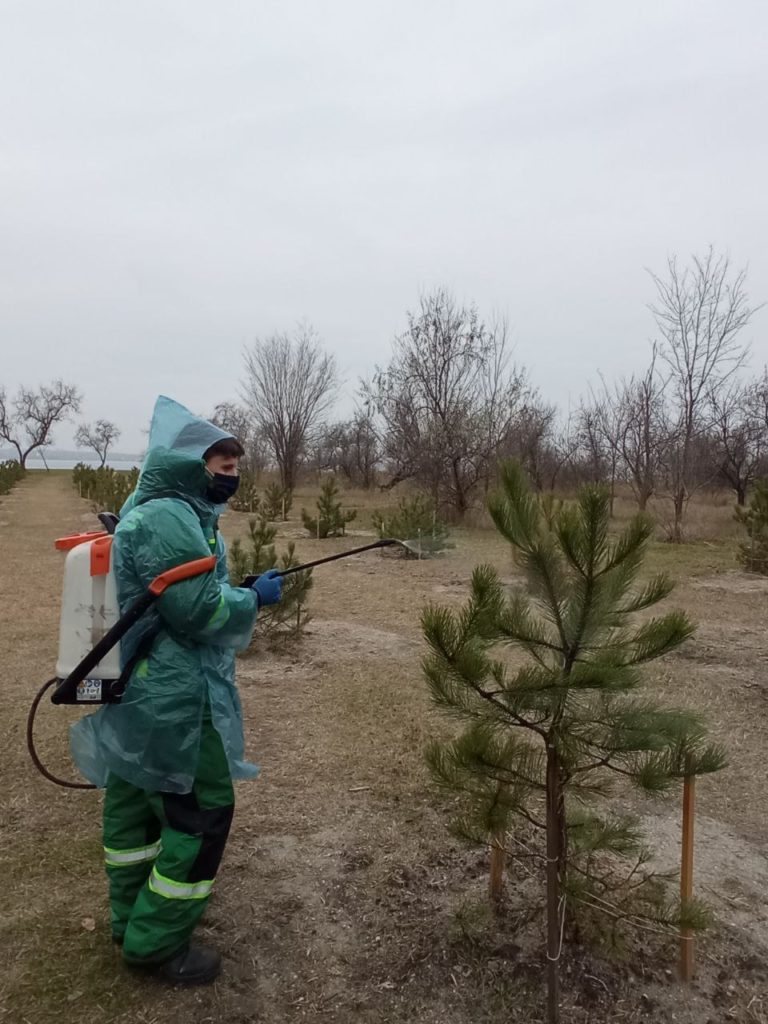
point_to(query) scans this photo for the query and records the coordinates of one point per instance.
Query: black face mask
(221, 488)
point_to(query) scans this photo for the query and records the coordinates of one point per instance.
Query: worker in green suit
(168, 752)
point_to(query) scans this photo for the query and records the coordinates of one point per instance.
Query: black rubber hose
(31, 743)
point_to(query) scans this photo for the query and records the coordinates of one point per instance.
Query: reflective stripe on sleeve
(178, 890)
(219, 617)
(136, 855)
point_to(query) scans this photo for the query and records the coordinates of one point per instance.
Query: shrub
(10, 473)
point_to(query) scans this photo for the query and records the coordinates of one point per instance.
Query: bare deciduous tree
(610, 425)
(561, 452)
(639, 430)
(597, 432)
(28, 420)
(592, 450)
(349, 448)
(289, 384)
(101, 436)
(700, 311)
(364, 449)
(530, 439)
(447, 400)
(739, 428)
(236, 419)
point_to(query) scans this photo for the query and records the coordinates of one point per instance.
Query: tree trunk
(460, 502)
(679, 504)
(741, 493)
(555, 852)
(496, 878)
(287, 476)
(613, 493)
(644, 490)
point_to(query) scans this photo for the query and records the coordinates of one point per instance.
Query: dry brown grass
(341, 898)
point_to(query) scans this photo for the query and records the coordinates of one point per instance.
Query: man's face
(229, 465)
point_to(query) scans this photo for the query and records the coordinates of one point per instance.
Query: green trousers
(162, 852)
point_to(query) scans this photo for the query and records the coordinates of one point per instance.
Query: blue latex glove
(268, 587)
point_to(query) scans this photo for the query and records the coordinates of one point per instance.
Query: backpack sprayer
(89, 669)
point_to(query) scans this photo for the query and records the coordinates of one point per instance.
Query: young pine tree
(416, 520)
(277, 502)
(753, 552)
(288, 618)
(546, 737)
(331, 518)
(246, 499)
(106, 488)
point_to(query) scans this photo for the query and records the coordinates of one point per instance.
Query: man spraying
(167, 754)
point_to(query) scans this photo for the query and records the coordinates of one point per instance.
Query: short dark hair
(226, 446)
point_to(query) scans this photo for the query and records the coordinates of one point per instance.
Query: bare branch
(700, 312)
(447, 401)
(101, 436)
(241, 424)
(290, 383)
(30, 422)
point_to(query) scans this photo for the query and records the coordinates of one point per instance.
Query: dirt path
(341, 898)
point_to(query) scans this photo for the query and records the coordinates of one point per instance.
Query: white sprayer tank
(89, 606)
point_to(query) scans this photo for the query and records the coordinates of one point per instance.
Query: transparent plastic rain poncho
(152, 738)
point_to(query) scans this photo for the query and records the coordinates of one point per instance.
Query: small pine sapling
(331, 518)
(415, 520)
(106, 488)
(287, 618)
(753, 552)
(546, 738)
(277, 502)
(246, 498)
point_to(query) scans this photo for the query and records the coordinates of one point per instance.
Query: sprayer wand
(387, 542)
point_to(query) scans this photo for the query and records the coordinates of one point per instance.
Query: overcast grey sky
(179, 178)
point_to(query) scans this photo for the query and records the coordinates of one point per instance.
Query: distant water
(71, 463)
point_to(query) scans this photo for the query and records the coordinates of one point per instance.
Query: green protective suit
(168, 752)
(152, 738)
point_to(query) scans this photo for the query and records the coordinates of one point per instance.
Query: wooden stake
(686, 876)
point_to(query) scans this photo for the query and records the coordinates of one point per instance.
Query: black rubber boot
(195, 965)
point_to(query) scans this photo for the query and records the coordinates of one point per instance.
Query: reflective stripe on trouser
(137, 855)
(156, 903)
